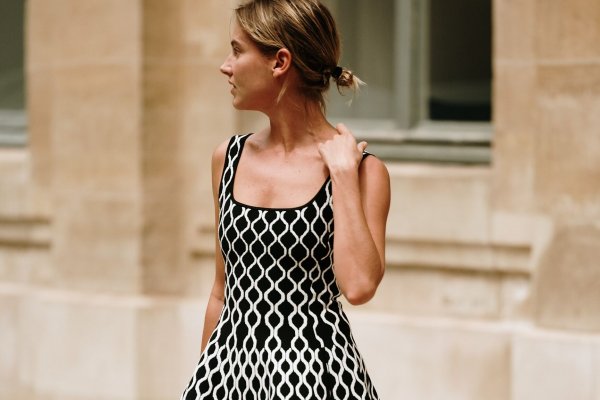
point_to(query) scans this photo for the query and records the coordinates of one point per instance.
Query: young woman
(274, 326)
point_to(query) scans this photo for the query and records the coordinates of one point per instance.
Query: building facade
(492, 286)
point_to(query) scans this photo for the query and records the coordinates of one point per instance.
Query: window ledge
(25, 232)
(13, 164)
(488, 257)
(431, 141)
(13, 128)
(15, 184)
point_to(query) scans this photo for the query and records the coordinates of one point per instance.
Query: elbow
(361, 294)
(363, 290)
(356, 298)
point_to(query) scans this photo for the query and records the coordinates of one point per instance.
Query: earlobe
(283, 62)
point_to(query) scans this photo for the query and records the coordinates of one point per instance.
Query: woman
(274, 326)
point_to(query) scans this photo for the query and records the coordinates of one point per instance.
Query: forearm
(213, 311)
(358, 262)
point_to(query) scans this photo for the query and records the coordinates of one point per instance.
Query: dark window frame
(411, 135)
(13, 115)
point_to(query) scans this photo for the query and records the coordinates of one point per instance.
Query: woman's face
(250, 73)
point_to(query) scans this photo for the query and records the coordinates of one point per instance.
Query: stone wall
(98, 214)
(106, 219)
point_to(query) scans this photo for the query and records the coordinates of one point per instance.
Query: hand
(342, 153)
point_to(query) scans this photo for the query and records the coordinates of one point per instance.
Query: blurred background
(487, 113)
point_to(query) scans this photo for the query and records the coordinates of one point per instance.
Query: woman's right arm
(217, 294)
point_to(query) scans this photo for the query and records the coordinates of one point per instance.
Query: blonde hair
(307, 29)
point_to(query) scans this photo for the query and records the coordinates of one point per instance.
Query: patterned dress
(282, 333)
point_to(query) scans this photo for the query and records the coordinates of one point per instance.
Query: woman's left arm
(361, 201)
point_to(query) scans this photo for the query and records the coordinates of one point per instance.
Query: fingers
(343, 129)
(321, 148)
(362, 146)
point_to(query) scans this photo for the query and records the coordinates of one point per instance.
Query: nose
(225, 68)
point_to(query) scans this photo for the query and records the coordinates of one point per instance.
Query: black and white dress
(282, 333)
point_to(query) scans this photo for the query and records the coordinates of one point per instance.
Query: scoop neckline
(239, 203)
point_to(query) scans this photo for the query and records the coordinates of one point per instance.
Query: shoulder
(372, 168)
(218, 155)
(220, 152)
(375, 185)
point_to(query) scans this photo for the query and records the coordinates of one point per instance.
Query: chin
(238, 106)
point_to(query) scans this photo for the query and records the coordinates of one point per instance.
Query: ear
(282, 62)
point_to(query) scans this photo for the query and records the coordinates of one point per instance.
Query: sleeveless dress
(282, 333)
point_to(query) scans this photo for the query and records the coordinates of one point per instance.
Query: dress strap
(232, 157)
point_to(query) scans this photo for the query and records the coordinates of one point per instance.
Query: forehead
(237, 34)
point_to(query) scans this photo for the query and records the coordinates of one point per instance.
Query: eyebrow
(235, 42)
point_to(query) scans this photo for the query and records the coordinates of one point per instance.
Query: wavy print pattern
(282, 333)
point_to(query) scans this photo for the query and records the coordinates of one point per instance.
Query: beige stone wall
(106, 236)
(99, 215)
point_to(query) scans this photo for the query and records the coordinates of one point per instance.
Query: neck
(295, 123)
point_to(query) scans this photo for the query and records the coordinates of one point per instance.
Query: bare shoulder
(373, 170)
(217, 163)
(218, 159)
(218, 155)
(375, 185)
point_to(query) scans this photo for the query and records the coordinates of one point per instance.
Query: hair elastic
(337, 72)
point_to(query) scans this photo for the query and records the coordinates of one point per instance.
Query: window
(12, 92)
(427, 64)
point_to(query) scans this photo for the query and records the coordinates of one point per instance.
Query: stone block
(431, 292)
(39, 139)
(169, 334)
(200, 272)
(22, 264)
(163, 27)
(206, 25)
(567, 29)
(432, 203)
(41, 17)
(567, 157)
(565, 83)
(83, 32)
(514, 99)
(514, 25)
(553, 367)
(14, 183)
(517, 229)
(77, 347)
(160, 165)
(95, 129)
(164, 86)
(162, 183)
(515, 119)
(97, 243)
(10, 343)
(433, 359)
(162, 244)
(567, 280)
(516, 298)
(462, 257)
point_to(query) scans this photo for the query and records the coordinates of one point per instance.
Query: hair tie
(337, 72)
